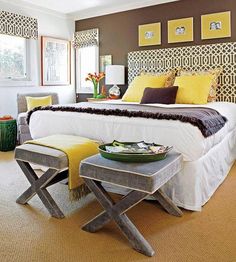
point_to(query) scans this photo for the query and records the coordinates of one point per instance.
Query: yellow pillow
(170, 76)
(193, 89)
(135, 90)
(33, 102)
(214, 85)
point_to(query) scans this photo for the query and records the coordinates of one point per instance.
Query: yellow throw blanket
(76, 148)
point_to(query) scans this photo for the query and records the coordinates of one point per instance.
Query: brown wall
(118, 32)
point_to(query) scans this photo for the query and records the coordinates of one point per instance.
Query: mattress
(186, 138)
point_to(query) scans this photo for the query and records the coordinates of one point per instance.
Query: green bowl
(132, 157)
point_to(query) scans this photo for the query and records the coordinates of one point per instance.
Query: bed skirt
(194, 185)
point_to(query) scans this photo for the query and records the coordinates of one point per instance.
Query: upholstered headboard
(195, 58)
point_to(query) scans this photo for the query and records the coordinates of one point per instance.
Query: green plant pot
(8, 134)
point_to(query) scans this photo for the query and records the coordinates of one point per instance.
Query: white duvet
(186, 138)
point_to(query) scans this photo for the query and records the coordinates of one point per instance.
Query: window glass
(86, 62)
(12, 57)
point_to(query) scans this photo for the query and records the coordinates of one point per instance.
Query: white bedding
(185, 137)
(207, 161)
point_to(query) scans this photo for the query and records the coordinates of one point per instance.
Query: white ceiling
(80, 9)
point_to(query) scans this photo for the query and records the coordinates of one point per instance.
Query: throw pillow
(166, 95)
(214, 85)
(193, 89)
(170, 76)
(33, 102)
(135, 90)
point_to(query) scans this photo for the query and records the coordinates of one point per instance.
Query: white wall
(50, 24)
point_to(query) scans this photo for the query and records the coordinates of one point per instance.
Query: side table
(95, 100)
(8, 135)
(143, 179)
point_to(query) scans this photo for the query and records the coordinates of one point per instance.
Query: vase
(114, 92)
(95, 89)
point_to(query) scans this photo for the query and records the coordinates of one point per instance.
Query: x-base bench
(143, 180)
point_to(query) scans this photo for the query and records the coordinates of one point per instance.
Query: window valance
(86, 38)
(18, 25)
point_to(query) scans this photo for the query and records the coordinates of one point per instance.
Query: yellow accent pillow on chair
(193, 89)
(33, 102)
(134, 93)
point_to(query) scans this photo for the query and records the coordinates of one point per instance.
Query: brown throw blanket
(208, 120)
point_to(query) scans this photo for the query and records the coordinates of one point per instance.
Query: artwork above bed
(192, 58)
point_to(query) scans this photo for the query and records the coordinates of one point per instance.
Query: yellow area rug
(28, 233)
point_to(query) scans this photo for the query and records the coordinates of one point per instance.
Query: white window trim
(31, 68)
(79, 90)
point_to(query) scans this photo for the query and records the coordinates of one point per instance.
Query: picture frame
(104, 61)
(149, 34)
(180, 30)
(55, 61)
(216, 25)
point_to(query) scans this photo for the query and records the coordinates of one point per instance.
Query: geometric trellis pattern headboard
(194, 58)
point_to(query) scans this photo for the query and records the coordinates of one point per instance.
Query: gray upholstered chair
(23, 128)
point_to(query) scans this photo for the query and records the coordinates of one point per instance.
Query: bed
(207, 161)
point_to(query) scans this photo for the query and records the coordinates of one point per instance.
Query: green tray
(132, 157)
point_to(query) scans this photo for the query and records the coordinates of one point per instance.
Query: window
(13, 58)
(86, 62)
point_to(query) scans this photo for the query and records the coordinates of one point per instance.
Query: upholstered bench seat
(41, 155)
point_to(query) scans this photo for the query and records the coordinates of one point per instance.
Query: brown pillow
(166, 95)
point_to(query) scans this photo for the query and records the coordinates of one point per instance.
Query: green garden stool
(8, 134)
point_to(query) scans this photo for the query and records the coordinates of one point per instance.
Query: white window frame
(31, 68)
(79, 89)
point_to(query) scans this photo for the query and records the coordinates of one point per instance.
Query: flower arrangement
(95, 78)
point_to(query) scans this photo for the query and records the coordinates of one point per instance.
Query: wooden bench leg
(167, 203)
(130, 200)
(26, 196)
(50, 204)
(38, 186)
(97, 223)
(116, 212)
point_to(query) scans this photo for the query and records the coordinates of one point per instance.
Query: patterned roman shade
(86, 38)
(18, 25)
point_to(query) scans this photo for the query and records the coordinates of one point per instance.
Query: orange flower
(95, 78)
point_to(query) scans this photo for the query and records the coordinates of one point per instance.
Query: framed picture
(104, 61)
(216, 25)
(149, 34)
(180, 30)
(55, 61)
